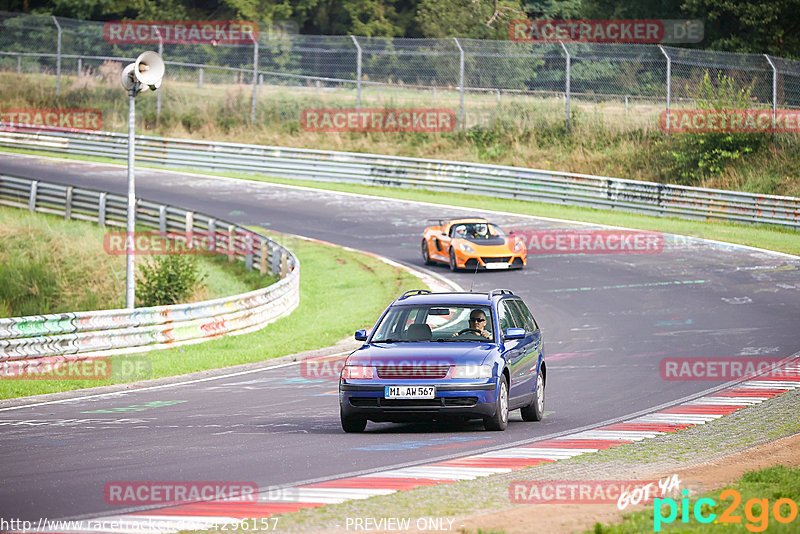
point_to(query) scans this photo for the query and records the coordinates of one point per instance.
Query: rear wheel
(426, 255)
(535, 410)
(499, 421)
(353, 423)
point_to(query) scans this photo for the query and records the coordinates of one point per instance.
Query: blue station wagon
(434, 356)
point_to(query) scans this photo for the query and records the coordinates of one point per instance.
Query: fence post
(68, 204)
(255, 80)
(101, 213)
(161, 55)
(263, 257)
(200, 78)
(774, 90)
(32, 197)
(80, 67)
(669, 83)
(567, 83)
(19, 64)
(162, 218)
(58, 58)
(211, 236)
(460, 83)
(358, 72)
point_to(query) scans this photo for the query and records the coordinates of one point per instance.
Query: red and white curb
(205, 515)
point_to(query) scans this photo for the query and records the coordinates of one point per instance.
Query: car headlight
(357, 372)
(519, 247)
(472, 371)
(466, 248)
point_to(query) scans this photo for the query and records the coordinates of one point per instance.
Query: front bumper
(464, 400)
(489, 261)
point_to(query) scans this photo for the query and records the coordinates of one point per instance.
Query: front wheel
(353, 423)
(453, 264)
(499, 421)
(535, 410)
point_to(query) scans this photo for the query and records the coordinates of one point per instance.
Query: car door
(533, 348)
(515, 351)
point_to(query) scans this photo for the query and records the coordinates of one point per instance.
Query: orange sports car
(472, 244)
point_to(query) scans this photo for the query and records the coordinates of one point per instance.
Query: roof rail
(494, 292)
(412, 292)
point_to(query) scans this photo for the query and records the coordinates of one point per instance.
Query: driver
(480, 231)
(477, 321)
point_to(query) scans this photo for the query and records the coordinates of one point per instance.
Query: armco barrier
(370, 169)
(78, 335)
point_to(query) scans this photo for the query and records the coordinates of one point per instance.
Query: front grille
(500, 259)
(517, 262)
(412, 371)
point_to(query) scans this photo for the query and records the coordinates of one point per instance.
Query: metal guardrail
(78, 335)
(436, 175)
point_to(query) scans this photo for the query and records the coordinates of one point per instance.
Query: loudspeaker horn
(149, 69)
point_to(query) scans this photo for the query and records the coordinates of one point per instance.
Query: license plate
(410, 392)
(497, 265)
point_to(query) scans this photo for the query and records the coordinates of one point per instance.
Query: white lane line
(617, 435)
(325, 495)
(530, 452)
(440, 473)
(722, 401)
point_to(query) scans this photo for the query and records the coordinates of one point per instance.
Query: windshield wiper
(390, 341)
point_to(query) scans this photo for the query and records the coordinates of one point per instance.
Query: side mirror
(361, 335)
(514, 333)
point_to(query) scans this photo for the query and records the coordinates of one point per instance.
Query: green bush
(166, 280)
(694, 156)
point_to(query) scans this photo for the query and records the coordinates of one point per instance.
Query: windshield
(477, 231)
(434, 322)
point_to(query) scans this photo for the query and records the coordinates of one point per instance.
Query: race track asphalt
(608, 320)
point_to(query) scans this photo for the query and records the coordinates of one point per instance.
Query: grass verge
(49, 265)
(604, 138)
(769, 237)
(330, 277)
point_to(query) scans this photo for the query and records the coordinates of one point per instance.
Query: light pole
(146, 72)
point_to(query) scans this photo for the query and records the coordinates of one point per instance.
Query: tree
(757, 27)
(475, 19)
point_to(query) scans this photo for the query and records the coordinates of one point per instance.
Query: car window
(525, 315)
(507, 319)
(432, 322)
(519, 322)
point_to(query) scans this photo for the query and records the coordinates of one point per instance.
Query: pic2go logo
(755, 510)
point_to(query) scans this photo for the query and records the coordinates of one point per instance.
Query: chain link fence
(475, 78)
